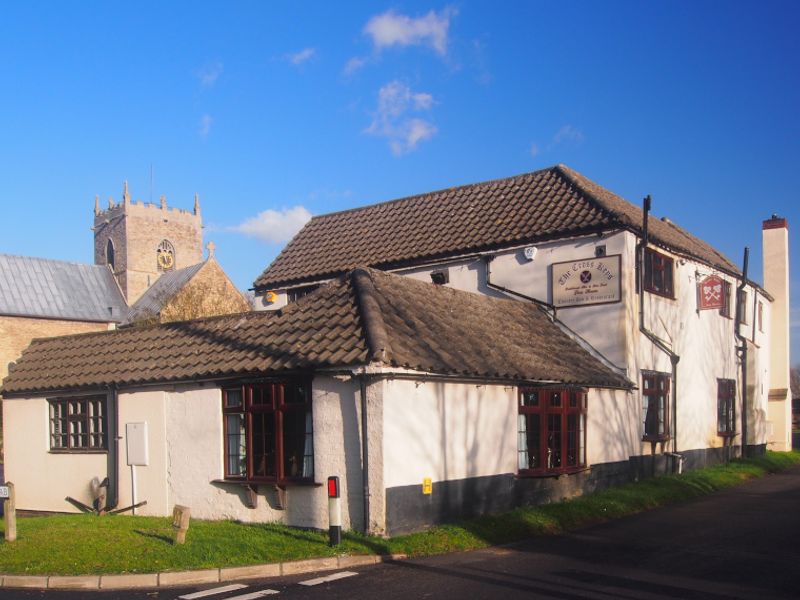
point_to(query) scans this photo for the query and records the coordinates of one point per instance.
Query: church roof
(549, 204)
(54, 289)
(364, 317)
(161, 292)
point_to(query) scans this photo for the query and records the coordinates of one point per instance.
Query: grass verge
(82, 544)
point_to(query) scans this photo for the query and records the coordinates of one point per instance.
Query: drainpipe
(657, 341)
(743, 348)
(113, 454)
(362, 384)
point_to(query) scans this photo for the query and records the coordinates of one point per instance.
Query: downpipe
(657, 341)
(742, 349)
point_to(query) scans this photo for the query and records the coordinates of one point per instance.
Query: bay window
(268, 432)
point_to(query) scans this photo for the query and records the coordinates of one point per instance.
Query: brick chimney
(775, 240)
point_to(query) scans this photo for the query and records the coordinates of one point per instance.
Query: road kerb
(309, 566)
(25, 581)
(188, 577)
(122, 582)
(251, 572)
(80, 582)
(173, 578)
(357, 561)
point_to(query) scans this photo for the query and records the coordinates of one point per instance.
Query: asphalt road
(740, 543)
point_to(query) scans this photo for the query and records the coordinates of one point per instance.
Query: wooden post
(10, 509)
(180, 521)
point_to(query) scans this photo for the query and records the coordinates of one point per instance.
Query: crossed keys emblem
(713, 293)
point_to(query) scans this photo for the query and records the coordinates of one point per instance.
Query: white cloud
(534, 150)
(275, 226)
(568, 133)
(209, 73)
(353, 65)
(391, 119)
(205, 125)
(302, 56)
(392, 29)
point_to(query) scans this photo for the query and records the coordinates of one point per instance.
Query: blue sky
(275, 111)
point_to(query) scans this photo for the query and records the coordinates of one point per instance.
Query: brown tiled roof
(362, 317)
(533, 207)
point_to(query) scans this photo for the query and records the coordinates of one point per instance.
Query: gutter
(742, 350)
(657, 341)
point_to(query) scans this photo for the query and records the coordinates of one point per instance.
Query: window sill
(544, 474)
(77, 451)
(656, 439)
(254, 483)
(667, 295)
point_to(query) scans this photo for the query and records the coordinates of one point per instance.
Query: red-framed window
(726, 407)
(551, 430)
(655, 405)
(658, 277)
(268, 431)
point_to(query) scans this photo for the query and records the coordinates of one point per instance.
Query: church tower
(142, 241)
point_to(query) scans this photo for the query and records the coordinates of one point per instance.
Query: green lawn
(84, 544)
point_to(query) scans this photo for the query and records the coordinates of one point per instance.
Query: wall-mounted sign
(586, 281)
(711, 292)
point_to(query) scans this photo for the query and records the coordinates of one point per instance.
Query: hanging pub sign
(586, 281)
(710, 292)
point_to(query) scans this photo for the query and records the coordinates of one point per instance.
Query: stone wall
(136, 229)
(17, 332)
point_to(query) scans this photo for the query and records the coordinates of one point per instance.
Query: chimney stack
(775, 239)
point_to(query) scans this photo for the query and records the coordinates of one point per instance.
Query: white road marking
(213, 591)
(328, 578)
(254, 595)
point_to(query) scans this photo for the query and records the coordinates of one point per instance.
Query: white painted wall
(452, 431)
(196, 453)
(43, 479)
(145, 407)
(447, 431)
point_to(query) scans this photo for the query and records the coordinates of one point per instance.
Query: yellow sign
(427, 486)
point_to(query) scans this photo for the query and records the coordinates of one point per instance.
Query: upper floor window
(761, 317)
(655, 405)
(742, 296)
(658, 277)
(78, 423)
(726, 407)
(726, 309)
(551, 430)
(165, 256)
(268, 433)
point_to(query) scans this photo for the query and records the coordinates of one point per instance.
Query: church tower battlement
(140, 241)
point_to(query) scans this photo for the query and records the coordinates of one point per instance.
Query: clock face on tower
(165, 256)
